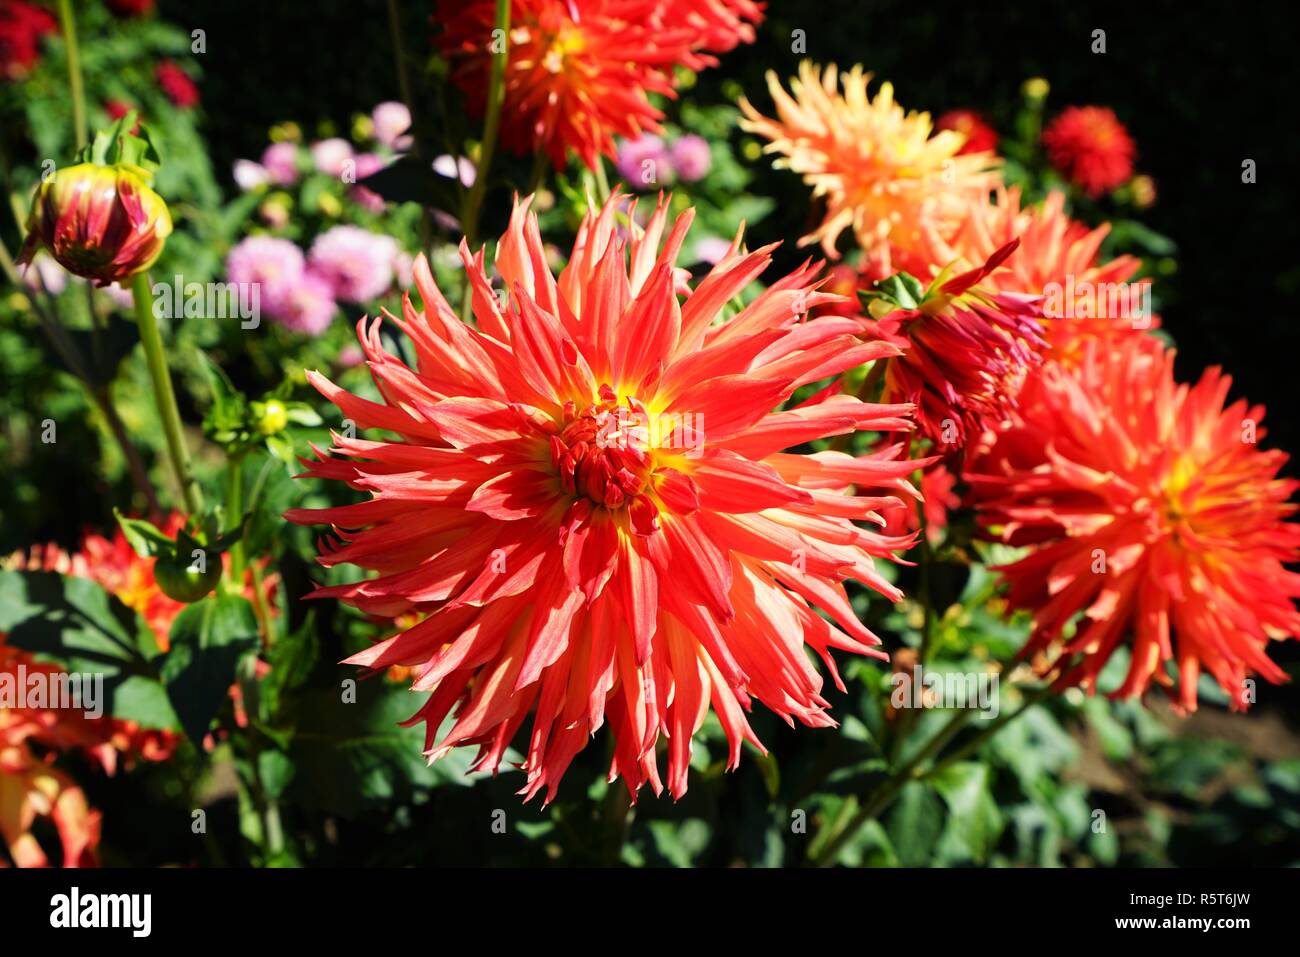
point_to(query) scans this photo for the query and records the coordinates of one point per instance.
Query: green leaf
(226, 420)
(118, 144)
(76, 624)
(148, 540)
(974, 821)
(914, 823)
(351, 755)
(901, 289)
(207, 640)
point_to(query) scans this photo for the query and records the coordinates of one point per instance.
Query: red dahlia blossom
(131, 8)
(100, 222)
(588, 497)
(719, 26)
(1149, 509)
(177, 85)
(1091, 148)
(579, 72)
(980, 136)
(21, 27)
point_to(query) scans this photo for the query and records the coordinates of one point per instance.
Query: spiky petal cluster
(1150, 510)
(1091, 148)
(580, 72)
(588, 496)
(1057, 254)
(883, 172)
(965, 352)
(719, 26)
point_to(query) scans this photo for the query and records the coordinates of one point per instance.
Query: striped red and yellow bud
(100, 222)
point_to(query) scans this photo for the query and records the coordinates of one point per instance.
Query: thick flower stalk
(100, 222)
(581, 72)
(1149, 509)
(589, 497)
(883, 172)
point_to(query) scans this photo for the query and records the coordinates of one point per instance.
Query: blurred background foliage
(1074, 781)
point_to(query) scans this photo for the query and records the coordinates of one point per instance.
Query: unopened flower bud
(100, 222)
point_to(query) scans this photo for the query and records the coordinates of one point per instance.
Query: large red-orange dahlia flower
(1091, 147)
(1151, 513)
(579, 72)
(589, 496)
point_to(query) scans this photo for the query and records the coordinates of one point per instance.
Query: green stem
(538, 176)
(491, 123)
(968, 748)
(602, 180)
(879, 799)
(164, 396)
(75, 87)
(234, 512)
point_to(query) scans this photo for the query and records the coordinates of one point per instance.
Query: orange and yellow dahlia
(588, 496)
(884, 173)
(1150, 513)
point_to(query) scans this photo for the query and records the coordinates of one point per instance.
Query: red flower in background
(1091, 148)
(980, 136)
(21, 27)
(1149, 509)
(131, 8)
(589, 497)
(177, 85)
(579, 72)
(719, 26)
